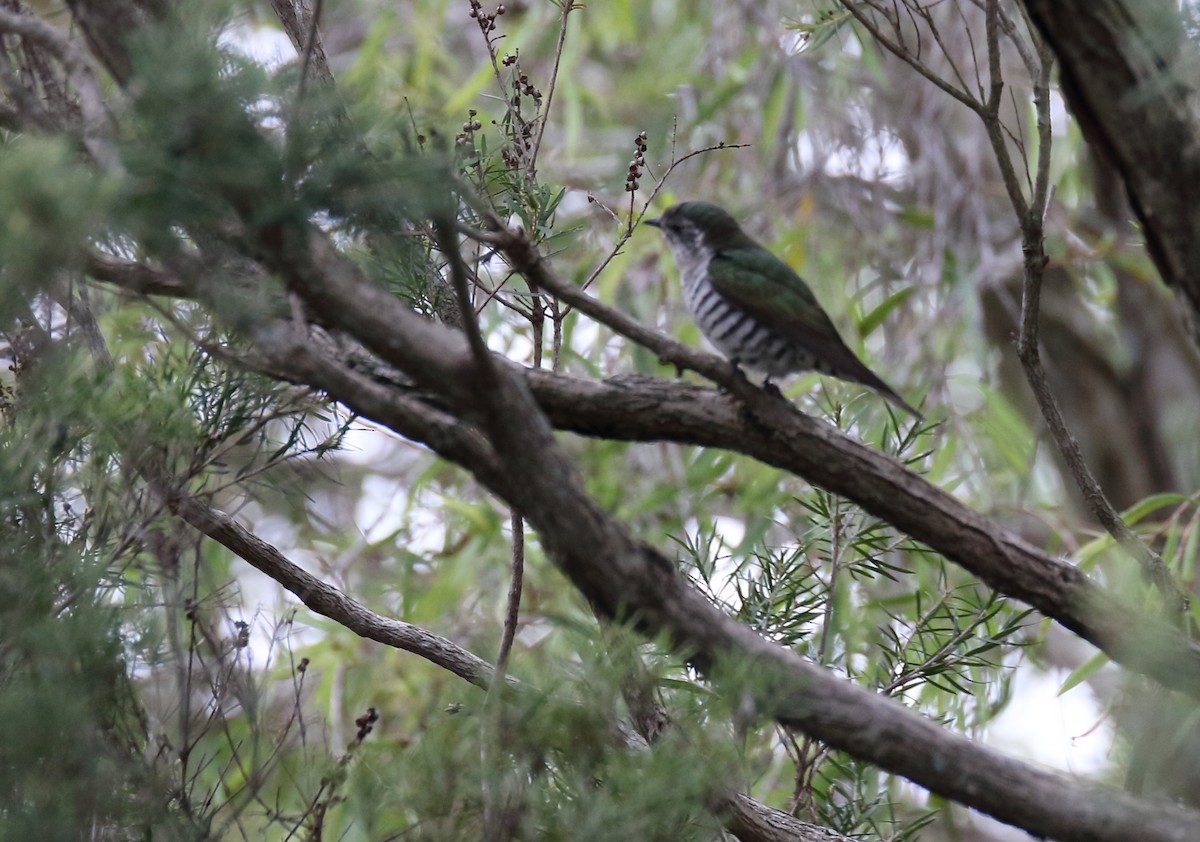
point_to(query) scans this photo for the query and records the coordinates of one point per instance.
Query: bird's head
(698, 227)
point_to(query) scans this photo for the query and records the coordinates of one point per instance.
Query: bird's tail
(868, 378)
(842, 363)
(891, 395)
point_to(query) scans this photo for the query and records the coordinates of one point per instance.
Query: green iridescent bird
(752, 305)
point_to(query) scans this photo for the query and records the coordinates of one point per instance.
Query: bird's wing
(769, 290)
(762, 285)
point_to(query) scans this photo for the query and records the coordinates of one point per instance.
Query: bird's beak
(653, 223)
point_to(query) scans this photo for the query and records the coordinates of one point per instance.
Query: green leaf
(826, 24)
(875, 318)
(1084, 671)
(1194, 610)
(1155, 501)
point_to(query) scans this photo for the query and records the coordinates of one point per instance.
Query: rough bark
(1126, 72)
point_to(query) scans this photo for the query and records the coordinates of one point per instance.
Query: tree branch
(751, 821)
(654, 409)
(310, 361)
(1028, 351)
(640, 408)
(95, 124)
(1125, 75)
(897, 49)
(624, 578)
(1030, 215)
(135, 277)
(320, 597)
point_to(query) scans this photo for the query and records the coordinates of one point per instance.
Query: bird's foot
(736, 364)
(679, 368)
(771, 389)
(738, 374)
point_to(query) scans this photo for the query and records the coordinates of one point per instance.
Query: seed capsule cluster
(638, 164)
(487, 22)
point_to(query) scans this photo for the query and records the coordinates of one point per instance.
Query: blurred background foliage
(175, 692)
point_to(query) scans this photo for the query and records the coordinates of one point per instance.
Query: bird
(754, 307)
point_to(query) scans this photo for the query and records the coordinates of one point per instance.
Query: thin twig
(95, 124)
(634, 220)
(937, 39)
(567, 7)
(908, 58)
(1045, 133)
(321, 597)
(556, 318)
(493, 294)
(971, 44)
(1028, 352)
(1009, 29)
(310, 42)
(1017, 138)
(447, 237)
(523, 255)
(990, 114)
(513, 608)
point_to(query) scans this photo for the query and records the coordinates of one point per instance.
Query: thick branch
(311, 361)
(751, 821)
(321, 597)
(654, 409)
(1124, 73)
(135, 277)
(107, 25)
(622, 577)
(904, 499)
(627, 579)
(95, 126)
